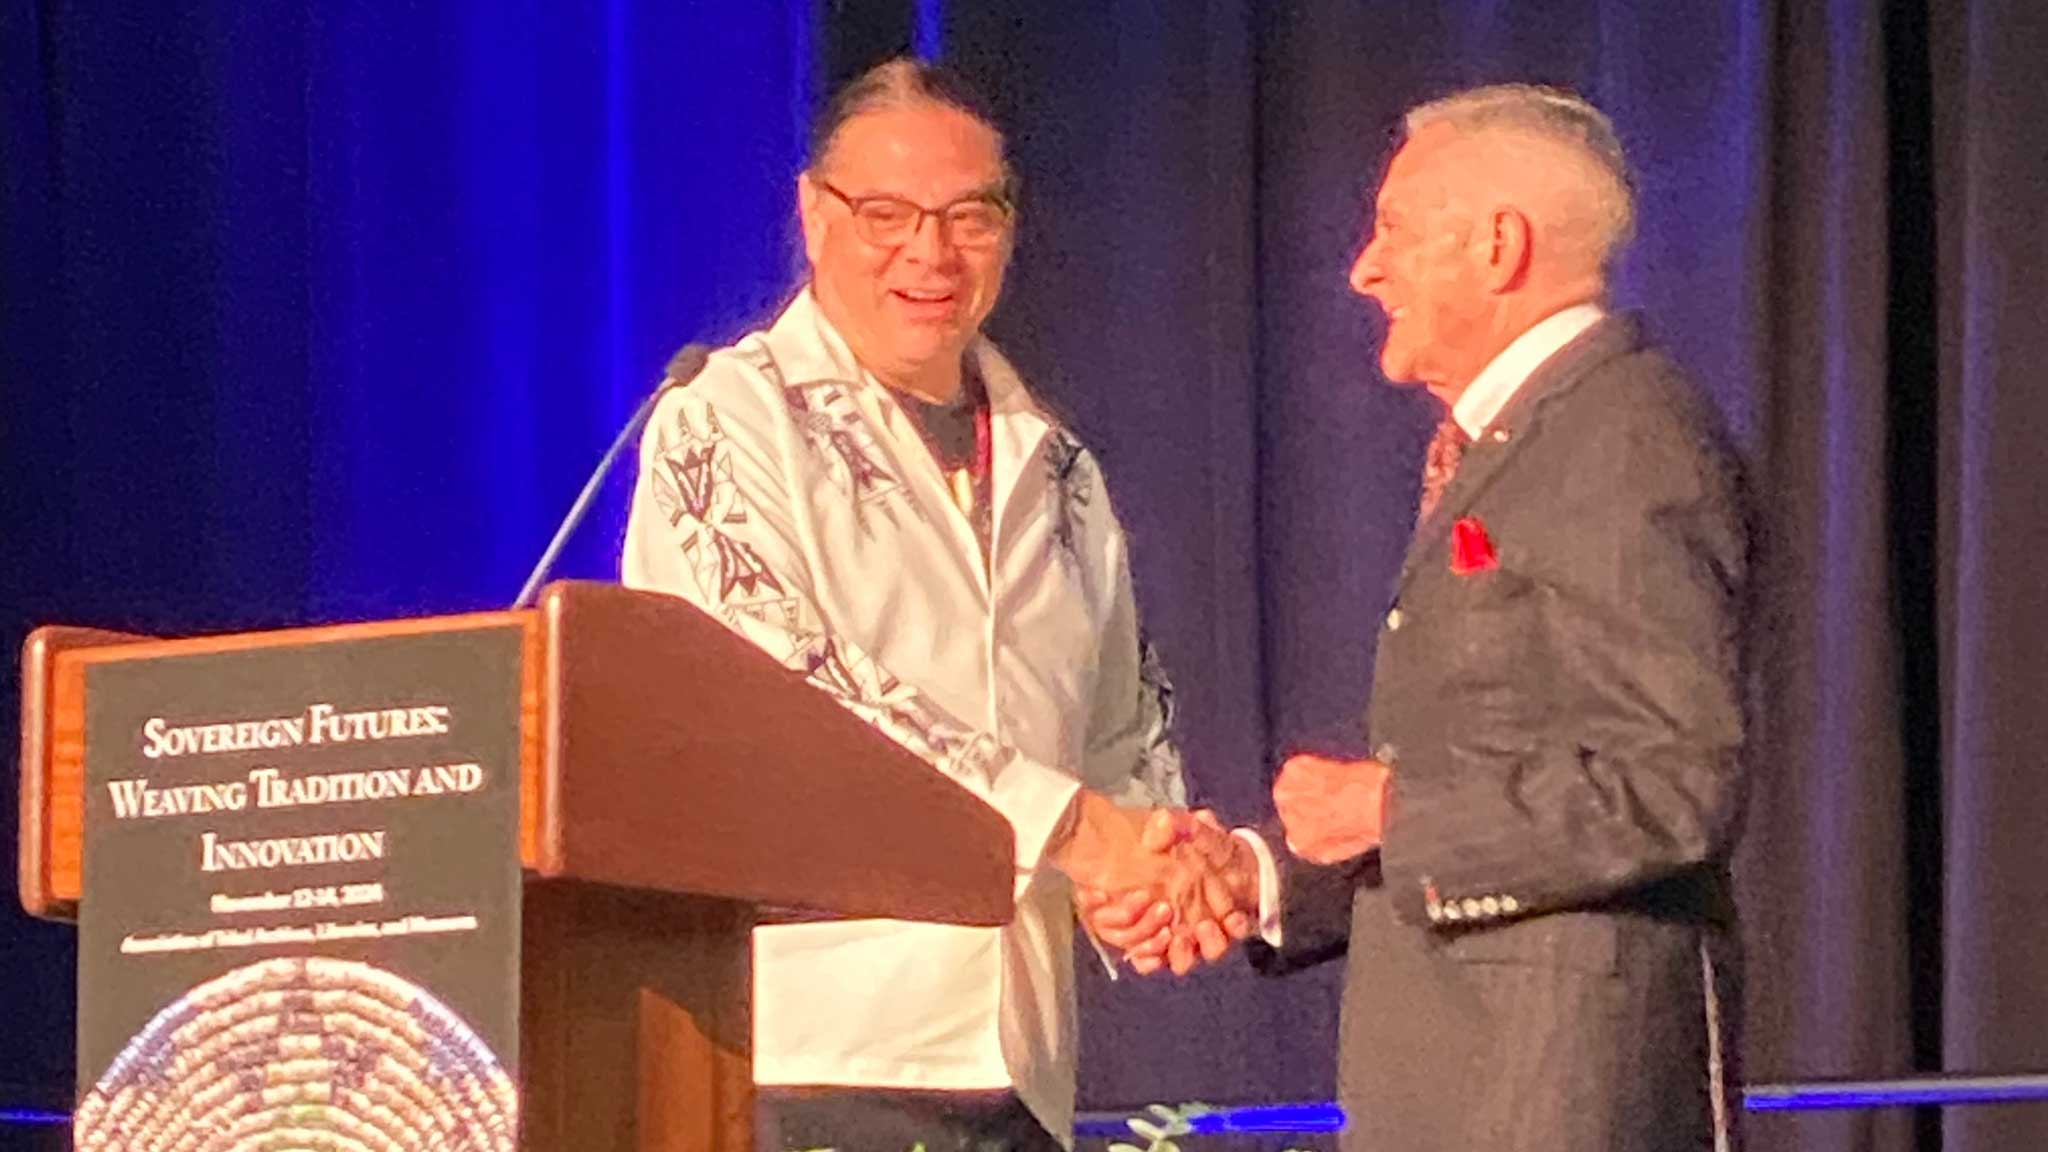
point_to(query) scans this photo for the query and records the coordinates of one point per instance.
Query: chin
(914, 363)
(916, 356)
(933, 344)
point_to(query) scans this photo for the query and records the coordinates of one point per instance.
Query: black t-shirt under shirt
(949, 433)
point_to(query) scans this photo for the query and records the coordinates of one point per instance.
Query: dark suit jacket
(1531, 952)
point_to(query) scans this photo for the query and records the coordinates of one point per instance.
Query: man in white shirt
(1530, 871)
(869, 492)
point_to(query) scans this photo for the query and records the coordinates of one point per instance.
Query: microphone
(682, 368)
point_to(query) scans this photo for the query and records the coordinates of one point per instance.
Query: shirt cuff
(1034, 798)
(1269, 886)
(1112, 964)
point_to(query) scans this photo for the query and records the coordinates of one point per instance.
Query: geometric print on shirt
(896, 708)
(1071, 476)
(834, 430)
(1159, 767)
(695, 490)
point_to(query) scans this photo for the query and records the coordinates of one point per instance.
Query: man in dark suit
(1529, 875)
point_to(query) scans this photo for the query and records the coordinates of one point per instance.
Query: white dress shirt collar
(1497, 383)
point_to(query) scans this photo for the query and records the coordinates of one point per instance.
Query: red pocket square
(1471, 550)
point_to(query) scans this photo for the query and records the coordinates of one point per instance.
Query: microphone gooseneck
(682, 368)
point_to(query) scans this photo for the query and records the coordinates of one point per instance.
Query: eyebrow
(994, 190)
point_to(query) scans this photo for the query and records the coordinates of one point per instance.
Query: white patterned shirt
(787, 493)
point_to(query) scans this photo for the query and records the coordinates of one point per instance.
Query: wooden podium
(676, 787)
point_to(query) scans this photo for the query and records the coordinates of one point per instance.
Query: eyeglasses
(973, 221)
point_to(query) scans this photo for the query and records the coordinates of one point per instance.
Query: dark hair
(893, 83)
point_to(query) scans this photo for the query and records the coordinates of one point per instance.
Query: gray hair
(898, 82)
(1556, 118)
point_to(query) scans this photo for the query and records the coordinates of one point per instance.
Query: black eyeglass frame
(991, 197)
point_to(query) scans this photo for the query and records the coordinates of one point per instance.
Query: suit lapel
(1483, 461)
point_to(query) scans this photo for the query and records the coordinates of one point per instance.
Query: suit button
(1490, 906)
(1385, 753)
(1510, 905)
(1470, 908)
(1451, 912)
(1394, 619)
(1436, 913)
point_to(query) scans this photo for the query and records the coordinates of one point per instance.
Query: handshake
(1169, 888)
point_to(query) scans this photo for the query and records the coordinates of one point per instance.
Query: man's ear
(810, 211)
(1508, 248)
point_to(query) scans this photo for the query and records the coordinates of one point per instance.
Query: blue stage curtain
(1990, 147)
(1839, 233)
(323, 312)
(322, 315)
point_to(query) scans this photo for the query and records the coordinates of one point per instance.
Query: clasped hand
(1192, 888)
(1182, 893)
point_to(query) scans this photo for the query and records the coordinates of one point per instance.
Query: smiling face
(1424, 270)
(907, 310)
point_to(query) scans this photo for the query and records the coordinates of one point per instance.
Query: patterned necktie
(1440, 463)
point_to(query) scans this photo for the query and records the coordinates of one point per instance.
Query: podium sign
(277, 842)
(300, 916)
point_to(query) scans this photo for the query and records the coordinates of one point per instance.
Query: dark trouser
(892, 1120)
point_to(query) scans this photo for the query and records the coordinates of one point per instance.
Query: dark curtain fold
(1837, 236)
(1991, 148)
(35, 1012)
(312, 315)
(1825, 864)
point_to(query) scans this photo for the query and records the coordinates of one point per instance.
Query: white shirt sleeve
(1132, 754)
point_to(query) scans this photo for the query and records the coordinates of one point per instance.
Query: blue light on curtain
(514, 214)
(325, 312)
(930, 33)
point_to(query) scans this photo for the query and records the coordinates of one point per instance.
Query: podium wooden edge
(37, 857)
(50, 859)
(545, 777)
(591, 642)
